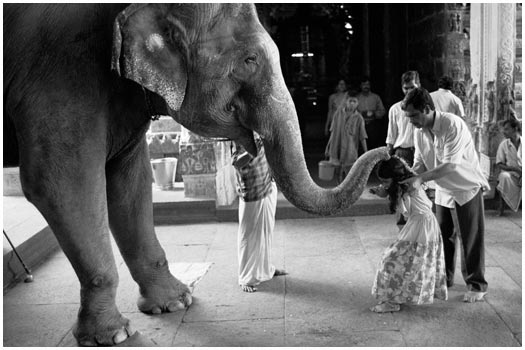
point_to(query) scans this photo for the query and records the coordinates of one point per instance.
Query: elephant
(81, 83)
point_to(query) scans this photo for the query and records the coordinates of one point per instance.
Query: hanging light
(302, 54)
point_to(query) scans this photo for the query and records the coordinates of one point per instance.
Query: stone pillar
(456, 45)
(366, 42)
(389, 79)
(489, 93)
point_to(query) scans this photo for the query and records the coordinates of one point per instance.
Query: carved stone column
(506, 55)
(489, 89)
(456, 45)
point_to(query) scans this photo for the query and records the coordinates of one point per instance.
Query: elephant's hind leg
(131, 220)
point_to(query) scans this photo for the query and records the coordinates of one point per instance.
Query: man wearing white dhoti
(257, 205)
(508, 159)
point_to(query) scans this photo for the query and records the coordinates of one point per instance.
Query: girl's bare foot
(247, 288)
(385, 307)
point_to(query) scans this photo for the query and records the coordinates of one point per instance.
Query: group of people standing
(433, 180)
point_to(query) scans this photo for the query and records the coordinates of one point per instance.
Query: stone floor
(322, 302)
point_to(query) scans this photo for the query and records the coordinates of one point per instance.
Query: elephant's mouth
(236, 132)
(246, 139)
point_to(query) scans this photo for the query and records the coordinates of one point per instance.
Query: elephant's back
(56, 32)
(56, 47)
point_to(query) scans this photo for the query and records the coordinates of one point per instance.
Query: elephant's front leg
(72, 198)
(131, 220)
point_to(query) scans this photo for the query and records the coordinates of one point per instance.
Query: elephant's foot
(107, 328)
(168, 296)
(137, 340)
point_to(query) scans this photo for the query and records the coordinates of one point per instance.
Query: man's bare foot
(247, 288)
(472, 296)
(385, 307)
(279, 272)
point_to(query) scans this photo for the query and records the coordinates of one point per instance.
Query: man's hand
(414, 182)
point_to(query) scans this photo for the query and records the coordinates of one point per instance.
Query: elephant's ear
(145, 50)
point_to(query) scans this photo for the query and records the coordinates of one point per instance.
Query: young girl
(412, 269)
(347, 132)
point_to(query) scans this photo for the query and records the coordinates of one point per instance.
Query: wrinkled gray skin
(73, 90)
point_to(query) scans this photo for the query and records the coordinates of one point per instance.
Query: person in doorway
(445, 153)
(372, 109)
(508, 160)
(257, 205)
(348, 133)
(444, 100)
(334, 101)
(412, 269)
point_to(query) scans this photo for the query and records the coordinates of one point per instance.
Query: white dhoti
(509, 186)
(254, 239)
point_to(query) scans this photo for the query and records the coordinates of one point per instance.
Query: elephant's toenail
(179, 305)
(172, 307)
(156, 310)
(120, 337)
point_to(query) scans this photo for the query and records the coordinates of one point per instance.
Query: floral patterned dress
(412, 269)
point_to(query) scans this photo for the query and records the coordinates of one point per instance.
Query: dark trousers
(471, 218)
(374, 132)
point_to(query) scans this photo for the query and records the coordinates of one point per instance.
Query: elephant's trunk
(284, 152)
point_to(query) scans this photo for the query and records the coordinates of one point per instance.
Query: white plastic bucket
(326, 170)
(164, 170)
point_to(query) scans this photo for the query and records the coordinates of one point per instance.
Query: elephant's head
(218, 71)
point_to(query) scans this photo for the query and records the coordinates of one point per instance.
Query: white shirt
(400, 130)
(507, 153)
(445, 101)
(452, 143)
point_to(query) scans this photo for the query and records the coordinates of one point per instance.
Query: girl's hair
(396, 169)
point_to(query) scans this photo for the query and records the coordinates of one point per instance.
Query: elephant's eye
(252, 59)
(230, 107)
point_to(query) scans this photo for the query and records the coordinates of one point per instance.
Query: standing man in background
(445, 100)
(372, 109)
(400, 134)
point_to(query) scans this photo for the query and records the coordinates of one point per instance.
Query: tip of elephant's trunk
(350, 190)
(302, 192)
(364, 165)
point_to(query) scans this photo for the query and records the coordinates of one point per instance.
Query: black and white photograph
(262, 174)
